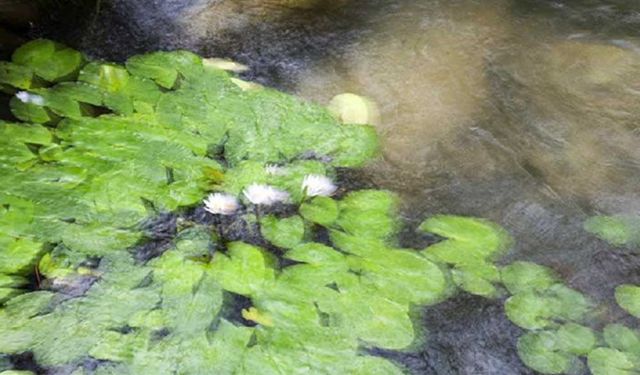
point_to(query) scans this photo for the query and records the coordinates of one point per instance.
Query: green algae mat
(269, 266)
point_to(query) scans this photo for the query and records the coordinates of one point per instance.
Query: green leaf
(519, 277)
(607, 361)
(622, 338)
(529, 310)
(533, 310)
(539, 352)
(15, 76)
(108, 77)
(575, 339)
(315, 254)
(401, 275)
(617, 230)
(285, 233)
(466, 238)
(628, 297)
(49, 60)
(30, 112)
(320, 210)
(98, 239)
(164, 67)
(368, 213)
(470, 279)
(25, 133)
(245, 270)
(19, 256)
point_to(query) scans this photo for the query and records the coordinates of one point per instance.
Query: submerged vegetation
(268, 267)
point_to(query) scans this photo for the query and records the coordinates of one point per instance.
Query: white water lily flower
(25, 97)
(265, 194)
(274, 170)
(221, 204)
(315, 184)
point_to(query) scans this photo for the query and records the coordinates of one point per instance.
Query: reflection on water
(524, 112)
(522, 117)
(525, 117)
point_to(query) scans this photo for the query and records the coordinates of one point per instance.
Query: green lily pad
(368, 214)
(617, 230)
(622, 338)
(49, 60)
(607, 361)
(320, 210)
(519, 277)
(628, 297)
(539, 351)
(245, 270)
(15, 76)
(285, 233)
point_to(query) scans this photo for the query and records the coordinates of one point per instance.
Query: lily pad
(285, 233)
(628, 297)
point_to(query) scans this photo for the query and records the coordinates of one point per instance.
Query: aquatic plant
(471, 246)
(628, 297)
(552, 313)
(103, 148)
(620, 356)
(617, 230)
(269, 266)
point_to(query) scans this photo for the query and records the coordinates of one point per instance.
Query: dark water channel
(523, 112)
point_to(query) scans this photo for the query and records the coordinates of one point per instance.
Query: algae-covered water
(491, 227)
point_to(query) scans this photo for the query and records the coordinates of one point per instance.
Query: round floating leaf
(526, 276)
(285, 233)
(529, 310)
(470, 280)
(30, 112)
(466, 238)
(19, 256)
(49, 60)
(245, 269)
(617, 230)
(401, 275)
(320, 210)
(622, 338)
(607, 361)
(15, 76)
(108, 77)
(628, 297)
(539, 352)
(575, 339)
(568, 304)
(315, 253)
(368, 213)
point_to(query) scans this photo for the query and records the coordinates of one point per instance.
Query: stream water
(523, 112)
